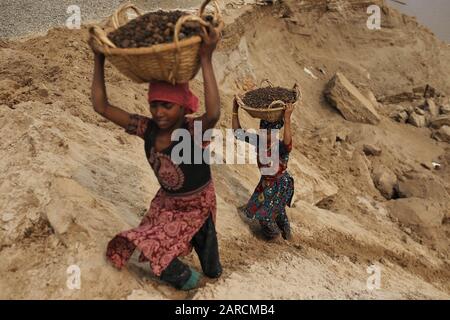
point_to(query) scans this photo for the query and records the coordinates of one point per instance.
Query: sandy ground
(70, 181)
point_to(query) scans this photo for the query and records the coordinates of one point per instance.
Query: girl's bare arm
(236, 124)
(287, 139)
(212, 98)
(99, 97)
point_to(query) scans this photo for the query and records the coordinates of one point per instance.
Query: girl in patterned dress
(274, 191)
(182, 215)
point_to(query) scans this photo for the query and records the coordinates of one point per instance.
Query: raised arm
(212, 99)
(236, 124)
(287, 139)
(99, 97)
(239, 133)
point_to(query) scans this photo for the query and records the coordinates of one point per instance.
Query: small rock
(43, 93)
(431, 107)
(409, 109)
(371, 150)
(426, 165)
(120, 139)
(417, 120)
(440, 121)
(430, 92)
(419, 111)
(393, 218)
(385, 181)
(341, 136)
(400, 116)
(445, 109)
(419, 90)
(399, 98)
(443, 134)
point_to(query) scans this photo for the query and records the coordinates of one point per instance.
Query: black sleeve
(247, 136)
(138, 125)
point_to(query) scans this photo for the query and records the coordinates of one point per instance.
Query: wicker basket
(274, 111)
(176, 62)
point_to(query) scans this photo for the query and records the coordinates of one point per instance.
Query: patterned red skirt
(166, 230)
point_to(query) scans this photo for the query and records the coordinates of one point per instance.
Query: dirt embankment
(70, 180)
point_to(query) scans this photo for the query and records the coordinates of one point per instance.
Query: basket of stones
(156, 46)
(269, 102)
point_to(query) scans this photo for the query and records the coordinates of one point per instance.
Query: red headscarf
(178, 93)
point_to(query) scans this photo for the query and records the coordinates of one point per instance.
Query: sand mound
(70, 180)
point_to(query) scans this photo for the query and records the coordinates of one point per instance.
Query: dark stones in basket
(263, 97)
(154, 28)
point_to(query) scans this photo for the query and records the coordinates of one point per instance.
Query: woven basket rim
(157, 48)
(262, 109)
(265, 108)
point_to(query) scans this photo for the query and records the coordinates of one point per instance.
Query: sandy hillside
(69, 181)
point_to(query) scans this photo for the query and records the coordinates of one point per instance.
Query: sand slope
(69, 180)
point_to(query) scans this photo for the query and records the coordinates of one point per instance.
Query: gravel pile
(263, 97)
(24, 17)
